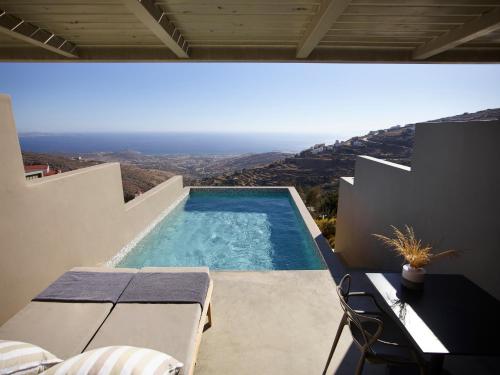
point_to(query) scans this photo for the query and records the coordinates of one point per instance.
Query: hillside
(138, 180)
(315, 172)
(142, 172)
(134, 179)
(321, 166)
(324, 164)
(191, 167)
(484, 115)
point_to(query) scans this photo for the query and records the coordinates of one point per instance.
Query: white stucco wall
(51, 224)
(451, 196)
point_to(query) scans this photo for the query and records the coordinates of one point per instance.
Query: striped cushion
(124, 360)
(21, 358)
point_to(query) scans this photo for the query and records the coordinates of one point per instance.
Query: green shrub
(327, 227)
(312, 196)
(328, 204)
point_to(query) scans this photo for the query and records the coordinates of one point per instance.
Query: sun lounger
(170, 327)
(170, 316)
(63, 328)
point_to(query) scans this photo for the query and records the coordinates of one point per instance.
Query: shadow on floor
(346, 364)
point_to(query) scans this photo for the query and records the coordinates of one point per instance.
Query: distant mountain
(322, 165)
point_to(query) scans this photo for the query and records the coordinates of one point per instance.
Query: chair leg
(421, 365)
(335, 342)
(361, 364)
(208, 323)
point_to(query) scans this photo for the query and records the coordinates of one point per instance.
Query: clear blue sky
(337, 99)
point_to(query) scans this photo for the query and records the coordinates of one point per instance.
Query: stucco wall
(451, 196)
(51, 224)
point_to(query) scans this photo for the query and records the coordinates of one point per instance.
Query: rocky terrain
(322, 165)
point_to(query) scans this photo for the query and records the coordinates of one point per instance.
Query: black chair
(366, 329)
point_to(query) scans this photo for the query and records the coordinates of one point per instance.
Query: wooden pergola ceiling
(251, 30)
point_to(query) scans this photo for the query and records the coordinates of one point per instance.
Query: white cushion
(115, 360)
(18, 358)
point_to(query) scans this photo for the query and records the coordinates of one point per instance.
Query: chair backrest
(365, 330)
(344, 287)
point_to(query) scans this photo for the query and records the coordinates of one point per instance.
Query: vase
(412, 277)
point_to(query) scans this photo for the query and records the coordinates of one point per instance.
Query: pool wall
(317, 238)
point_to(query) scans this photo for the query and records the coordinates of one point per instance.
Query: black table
(450, 315)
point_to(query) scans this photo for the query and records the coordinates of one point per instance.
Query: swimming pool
(230, 229)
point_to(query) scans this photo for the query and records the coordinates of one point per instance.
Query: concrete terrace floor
(275, 322)
(284, 322)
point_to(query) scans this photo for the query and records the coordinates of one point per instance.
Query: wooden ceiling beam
(17, 28)
(430, 3)
(329, 11)
(471, 30)
(155, 19)
(349, 54)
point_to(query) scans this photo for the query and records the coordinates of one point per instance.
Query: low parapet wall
(51, 224)
(451, 196)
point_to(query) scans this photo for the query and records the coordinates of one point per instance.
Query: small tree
(328, 205)
(312, 196)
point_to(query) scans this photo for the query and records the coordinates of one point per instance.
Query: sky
(339, 99)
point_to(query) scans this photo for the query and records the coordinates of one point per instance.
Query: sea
(170, 143)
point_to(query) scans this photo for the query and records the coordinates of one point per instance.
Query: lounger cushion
(64, 329)
(167, 287)
(168, 328)
(118, 360)
(18, 357)
(80, 286)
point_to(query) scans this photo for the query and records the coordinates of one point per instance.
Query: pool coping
(317, 237)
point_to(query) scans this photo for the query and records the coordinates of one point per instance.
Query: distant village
(369, 139)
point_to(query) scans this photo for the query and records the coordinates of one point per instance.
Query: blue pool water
(230, 230)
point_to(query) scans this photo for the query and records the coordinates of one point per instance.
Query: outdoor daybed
(165, 309)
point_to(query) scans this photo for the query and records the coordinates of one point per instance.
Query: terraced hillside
(322, 166)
